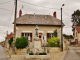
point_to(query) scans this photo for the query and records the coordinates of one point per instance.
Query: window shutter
(30, 37)
(22, 34)
(47, 36)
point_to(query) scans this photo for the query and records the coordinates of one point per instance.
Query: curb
(64, 54)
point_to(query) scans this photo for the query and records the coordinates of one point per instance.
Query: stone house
(26, 24)
(77, 35)
(7, 38)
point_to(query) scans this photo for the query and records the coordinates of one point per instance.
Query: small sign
(28, 37)
(44, 37)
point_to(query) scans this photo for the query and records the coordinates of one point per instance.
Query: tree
(78, 24)
(75, 19)
(10, 40)
(68, 36)
(55, 33)
(21, 42)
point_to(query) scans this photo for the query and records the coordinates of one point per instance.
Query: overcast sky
(33, 6)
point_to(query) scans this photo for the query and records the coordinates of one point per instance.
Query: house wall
(78, 38)
(76, 35)
(6, 43)
(42, 29)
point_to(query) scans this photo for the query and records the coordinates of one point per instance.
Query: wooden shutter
(30, 37)
(22, 34)
(47, 36)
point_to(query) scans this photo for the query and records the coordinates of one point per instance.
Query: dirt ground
(54, 56)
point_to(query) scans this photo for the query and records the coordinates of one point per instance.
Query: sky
(44, 7)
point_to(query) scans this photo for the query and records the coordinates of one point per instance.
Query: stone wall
(51, 50)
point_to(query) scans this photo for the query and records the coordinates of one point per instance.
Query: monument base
(37, 45)
(37, 57)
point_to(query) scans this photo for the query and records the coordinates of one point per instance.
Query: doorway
(40, 36)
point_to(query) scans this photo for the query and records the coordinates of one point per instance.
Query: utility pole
(61, 32)
(14, 37)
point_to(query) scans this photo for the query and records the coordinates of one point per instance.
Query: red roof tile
(9, 35)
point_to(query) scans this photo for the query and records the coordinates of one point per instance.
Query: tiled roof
(77, 28)
(9, 35)
(38, 19)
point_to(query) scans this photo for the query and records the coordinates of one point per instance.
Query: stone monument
(37, 49)
(37, 42)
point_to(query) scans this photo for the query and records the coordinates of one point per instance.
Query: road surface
(73, 53)
(2, 54)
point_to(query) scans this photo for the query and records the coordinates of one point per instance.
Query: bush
(30, 53)
(21, 42)
(43, 53)
(10, 41)
(54, 42)
(55, 33)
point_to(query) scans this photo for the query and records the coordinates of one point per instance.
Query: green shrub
(10, 41)
(55, 33)
(21, 42)
(30, 53)
(54, 42)
(43, 53)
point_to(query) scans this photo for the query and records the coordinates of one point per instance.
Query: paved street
(73, 54)
(2, 54)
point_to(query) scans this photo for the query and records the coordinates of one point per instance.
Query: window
(76, 34)
(49, 35)
(27, 34)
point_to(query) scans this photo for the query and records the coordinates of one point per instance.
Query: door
(40, 36)
(76, 41)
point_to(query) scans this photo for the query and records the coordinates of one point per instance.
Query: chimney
(54, 14)
(20, 13)
(75, 26)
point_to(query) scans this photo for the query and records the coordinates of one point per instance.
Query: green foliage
(77, 12)
(21, 42)
(54, 42)
(43, 53)
(78, 24)
(55, 33)
(10, 41)
(68, 36)
(75, 19)
(31, 53)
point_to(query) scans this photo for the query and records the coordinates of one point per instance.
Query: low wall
(51, 50)
(65, 44)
